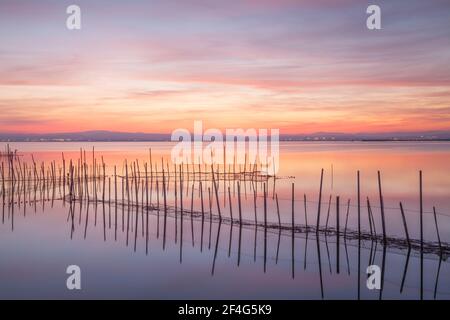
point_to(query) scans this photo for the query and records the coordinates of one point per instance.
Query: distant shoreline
(281, 140)
(116, 136)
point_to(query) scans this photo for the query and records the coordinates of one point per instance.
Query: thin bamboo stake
(382, 208)
(278, 211)
(192, 213)
(405, 225)
(320, 201)
(239, 203)
(215, 190)
(337, 235)
(254, 204)
(346, 218)
(293, 242)
(437, 230)
(229, 201)
(421, 235)
(306, 214)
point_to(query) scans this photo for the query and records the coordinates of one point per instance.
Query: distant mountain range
(85, 136)
(139, 136)
(379, 136)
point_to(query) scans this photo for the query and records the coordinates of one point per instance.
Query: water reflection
(155, 207)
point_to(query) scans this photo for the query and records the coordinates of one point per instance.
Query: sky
(301, 66)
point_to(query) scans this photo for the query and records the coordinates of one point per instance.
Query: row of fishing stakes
(78, 181)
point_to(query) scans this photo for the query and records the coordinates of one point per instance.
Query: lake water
(122, 254)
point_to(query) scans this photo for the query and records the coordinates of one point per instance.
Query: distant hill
(86, 136)
(139, 136)
(383, 136)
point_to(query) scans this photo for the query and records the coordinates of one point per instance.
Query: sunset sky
(301, 66)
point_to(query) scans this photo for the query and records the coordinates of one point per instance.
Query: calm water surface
(209, 260)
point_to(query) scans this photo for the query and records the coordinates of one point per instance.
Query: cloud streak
(300, 65)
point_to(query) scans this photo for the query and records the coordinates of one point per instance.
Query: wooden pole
(229, 202)
(306, 214)
(151, 165)
(146, 209)
(192, 213)
(369, 209)
(203, 210)
(239, 202)
(265, 226)
(421, 235)
(64, 175)
(359, 234)
(176, 202)
(109, 200)
(359, 204)
(405, 225)
(265, 206)
(346, 218)
(368, 215)
(181, 212)
(382, 208)
(216, 193)
(320, 201)
(278, 211)
(328, 212)
(292, 227)
(210, 216)
(337, 234)
(254, 205)
(165, 208)
(437, 230)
